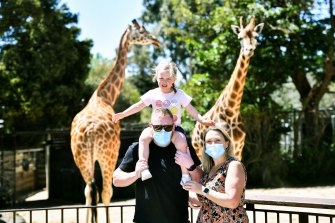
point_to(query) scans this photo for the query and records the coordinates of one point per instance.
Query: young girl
(165, 96)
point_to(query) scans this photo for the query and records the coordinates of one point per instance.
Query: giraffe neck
(231, 96)
(110, 88)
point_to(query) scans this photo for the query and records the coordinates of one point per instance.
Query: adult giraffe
(226, 111)
(94, 136)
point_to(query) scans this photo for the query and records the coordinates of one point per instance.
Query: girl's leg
(143, 150)
(180, 143)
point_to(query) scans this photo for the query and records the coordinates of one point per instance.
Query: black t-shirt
(160, 198)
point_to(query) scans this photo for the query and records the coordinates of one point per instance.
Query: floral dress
(212, 212)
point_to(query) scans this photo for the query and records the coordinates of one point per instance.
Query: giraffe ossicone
(226, 110)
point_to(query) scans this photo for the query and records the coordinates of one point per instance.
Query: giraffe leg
(107, 191)
(88, 201)
(92, 197)
(84, 163)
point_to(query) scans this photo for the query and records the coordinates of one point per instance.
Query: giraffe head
(248, 36)
(140, 36)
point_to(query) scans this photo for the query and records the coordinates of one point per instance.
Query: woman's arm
(234, 185)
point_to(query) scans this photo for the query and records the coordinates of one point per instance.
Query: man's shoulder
(133, 146)
(132, 149)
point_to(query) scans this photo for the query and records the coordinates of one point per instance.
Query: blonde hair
(163, 66)
(207, 161)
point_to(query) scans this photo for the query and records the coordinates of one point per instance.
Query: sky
(104, 21)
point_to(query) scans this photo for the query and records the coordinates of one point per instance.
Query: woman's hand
(193, 201)
(193, 187)
(184, 159)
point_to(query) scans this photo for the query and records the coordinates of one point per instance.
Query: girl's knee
(180, 142)
(146, 135)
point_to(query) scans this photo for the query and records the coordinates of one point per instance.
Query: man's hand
(184, 159)
(140, 166)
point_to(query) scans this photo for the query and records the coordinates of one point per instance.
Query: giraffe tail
(93, 193)
(94, 196)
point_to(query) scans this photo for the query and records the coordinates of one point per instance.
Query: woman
(220, 193)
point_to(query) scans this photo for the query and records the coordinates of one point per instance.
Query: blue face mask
(214, 150)
(162, 138)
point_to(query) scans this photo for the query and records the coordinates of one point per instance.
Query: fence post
(251, 207)
(47, 163)
(303, 218)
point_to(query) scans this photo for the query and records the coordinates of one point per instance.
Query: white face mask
(162, 138)
(215, 150)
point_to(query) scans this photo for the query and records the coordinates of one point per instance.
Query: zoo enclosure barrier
(260, 208)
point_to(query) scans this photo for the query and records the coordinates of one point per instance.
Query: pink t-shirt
(172, 101)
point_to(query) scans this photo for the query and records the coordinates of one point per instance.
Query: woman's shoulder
(234, 161)
(230, 162)
(236, 166)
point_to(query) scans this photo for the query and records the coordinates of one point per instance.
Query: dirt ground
(70, 215)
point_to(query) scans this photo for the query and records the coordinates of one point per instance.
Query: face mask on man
(215, 150)
(161, 137)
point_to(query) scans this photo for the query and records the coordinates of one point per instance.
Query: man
(160, 198)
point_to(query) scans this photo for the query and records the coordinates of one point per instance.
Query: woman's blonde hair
(163, 66)
(207, 161)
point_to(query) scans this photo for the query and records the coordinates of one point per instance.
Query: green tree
(296, 46)
(42, 64)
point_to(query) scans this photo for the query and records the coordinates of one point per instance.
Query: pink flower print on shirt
(166, 103)
(159, 103)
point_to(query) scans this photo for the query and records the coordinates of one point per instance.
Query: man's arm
(124, 179)
(185, 160)
(196, 174)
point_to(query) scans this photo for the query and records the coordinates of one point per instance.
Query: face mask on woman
(214, 150)
(162, 138)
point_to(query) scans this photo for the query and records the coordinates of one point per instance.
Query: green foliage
(263, 149)
(43, 65)
(99, 68)
(202, 89)
(296, 43)
(141, 69)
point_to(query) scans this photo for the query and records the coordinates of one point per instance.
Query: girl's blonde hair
(163, 66)
(207, 161)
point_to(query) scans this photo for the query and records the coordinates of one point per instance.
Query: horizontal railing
(282, 209)
(260, 208)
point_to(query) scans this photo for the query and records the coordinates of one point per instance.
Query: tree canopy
(42, 64)
(296, 43)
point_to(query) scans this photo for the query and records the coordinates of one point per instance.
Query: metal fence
(260, 209)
